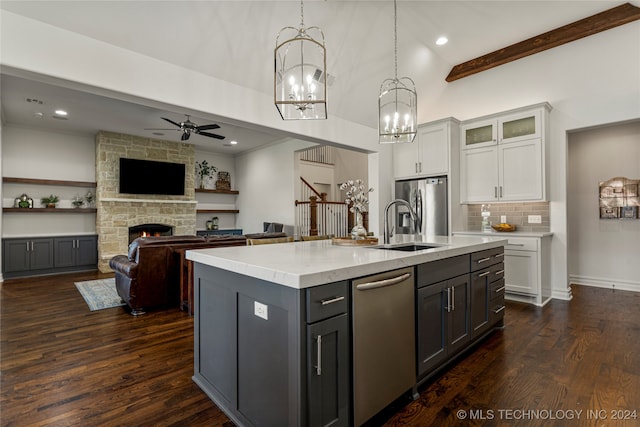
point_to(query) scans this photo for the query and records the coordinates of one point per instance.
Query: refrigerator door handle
(418, 223)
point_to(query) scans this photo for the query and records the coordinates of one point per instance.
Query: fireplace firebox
(144, 230)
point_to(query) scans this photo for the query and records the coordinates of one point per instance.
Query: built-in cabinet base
(23, 257)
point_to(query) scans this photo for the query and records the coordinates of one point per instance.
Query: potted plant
(50, 201)
(204, 170)
(77, 201)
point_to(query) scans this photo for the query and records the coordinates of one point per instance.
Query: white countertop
(304, 264)
(506, 235)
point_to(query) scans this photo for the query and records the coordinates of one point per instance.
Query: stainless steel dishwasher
(383, 340)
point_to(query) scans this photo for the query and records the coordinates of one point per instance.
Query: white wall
(602, 252)
(28, 153)
(267, 189)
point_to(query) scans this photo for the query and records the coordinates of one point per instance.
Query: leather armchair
(153, 274)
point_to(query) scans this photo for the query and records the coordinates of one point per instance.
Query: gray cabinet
(46, 255)
(459, 299)
(272, 355)
(75, 251)
(443, 298)
(487, 267)
(24, 256)
(328, 355)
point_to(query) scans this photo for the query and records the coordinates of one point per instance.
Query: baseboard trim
(603, 282)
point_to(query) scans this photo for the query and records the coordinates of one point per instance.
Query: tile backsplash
(516, 213)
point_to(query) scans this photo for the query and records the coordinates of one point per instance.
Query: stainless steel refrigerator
(428, 198)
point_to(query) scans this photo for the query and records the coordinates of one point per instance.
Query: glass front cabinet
(503, 156)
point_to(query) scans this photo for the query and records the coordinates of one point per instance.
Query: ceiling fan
(188, 127)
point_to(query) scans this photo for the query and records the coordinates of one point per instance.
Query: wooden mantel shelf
(12, 180)
(207, 190)
(232, 211)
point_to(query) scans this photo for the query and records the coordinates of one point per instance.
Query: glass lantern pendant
(300, 86)
(397, 103)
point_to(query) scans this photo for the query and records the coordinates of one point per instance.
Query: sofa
(155, 274)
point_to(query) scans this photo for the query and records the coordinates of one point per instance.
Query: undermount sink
(408, 247)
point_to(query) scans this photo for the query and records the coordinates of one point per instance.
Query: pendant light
(300, 78)
(397, 103)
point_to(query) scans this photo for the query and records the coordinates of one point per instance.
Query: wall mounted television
(151, 177)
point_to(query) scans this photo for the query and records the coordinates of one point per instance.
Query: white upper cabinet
(504, 158)
(429, 154)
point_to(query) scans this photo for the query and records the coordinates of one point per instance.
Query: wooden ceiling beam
(594, 24)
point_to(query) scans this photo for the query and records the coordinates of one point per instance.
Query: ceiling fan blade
(185, 136)
(211, 135)
(207, 127)
(172, 122)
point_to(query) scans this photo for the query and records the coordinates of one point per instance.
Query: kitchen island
(285, 337)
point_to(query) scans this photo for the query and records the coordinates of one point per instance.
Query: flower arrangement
(204, 169)
(356, 195)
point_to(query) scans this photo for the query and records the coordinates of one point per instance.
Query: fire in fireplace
(144, 230)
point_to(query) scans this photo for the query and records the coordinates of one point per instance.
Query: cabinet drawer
(496, 292)
(522, 244)
(483, 259)
(496, 312)
(327, 301)
(497, 272)
(444, 269)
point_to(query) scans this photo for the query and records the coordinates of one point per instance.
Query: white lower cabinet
(527, 270)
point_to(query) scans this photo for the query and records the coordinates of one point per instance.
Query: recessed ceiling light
(37, 114)
(233, 142)
(442, 40)
(60, 113)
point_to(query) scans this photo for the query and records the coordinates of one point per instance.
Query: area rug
(100, 294)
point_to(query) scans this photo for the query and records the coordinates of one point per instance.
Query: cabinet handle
(499, 290)
(448, 300)
(500, 255)
(383, 283)
(495, 192)
(331, 300)
(486, 273)
(499, 272)
(319, 355)
(28, 246)
(32, 248)
(498, 310)
(501, 191)
(420, 166)
(515, 244)
(453, 298)
(481, 260)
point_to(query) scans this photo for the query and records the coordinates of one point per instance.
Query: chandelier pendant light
(397, 103)
(300, 78)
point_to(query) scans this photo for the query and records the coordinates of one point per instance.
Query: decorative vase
(358, 232)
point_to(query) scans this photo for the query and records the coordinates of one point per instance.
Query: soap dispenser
(486, 224)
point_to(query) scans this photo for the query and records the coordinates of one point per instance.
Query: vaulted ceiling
(234, 41)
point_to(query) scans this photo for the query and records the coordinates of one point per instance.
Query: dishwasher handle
(382, 283)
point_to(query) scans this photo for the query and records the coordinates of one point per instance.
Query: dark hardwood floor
(62, 365)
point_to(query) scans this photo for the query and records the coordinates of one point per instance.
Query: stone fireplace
(116, 212)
